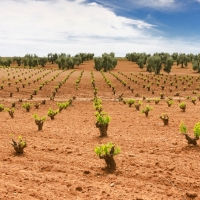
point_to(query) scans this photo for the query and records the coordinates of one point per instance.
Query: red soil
(59, 162)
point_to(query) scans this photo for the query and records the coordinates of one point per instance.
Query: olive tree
(52, 57)
(174, 56)
(77, 60)
(98, 63)
(106, 62)
(182, 59)
(6, 62)
(25, 61)
(132, 56)
(30, 60)
(43, 61)
(18, 60)
(139, 58)
(159, 60)
(196, 63)
(168, 64)
(65, 61)
(190, 57)
(154, 64)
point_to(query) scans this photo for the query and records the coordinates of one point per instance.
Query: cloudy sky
(98, 26)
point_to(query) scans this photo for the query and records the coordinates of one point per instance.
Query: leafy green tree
(98, 63)
(18, 60)
(139, 58)
(174, 56)
(31, 60)
(154, 64)
(106, 62)
(132, 56)
(61, 61)
(168, 64)
(42, 61)
(196, 63)
(6, 62)
(78, 60)
(142, 59)
(164, 56)
(86, 56)
(52, 57)
(25, 61)
(69, 62)
(90, 56)
(65, 61)
(159, 60)
(182, 59)
(190, 57)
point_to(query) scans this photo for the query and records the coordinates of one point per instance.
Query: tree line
(157, 61)
(63, 60)
(152, 63)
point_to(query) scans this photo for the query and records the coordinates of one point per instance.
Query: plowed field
(59, 162)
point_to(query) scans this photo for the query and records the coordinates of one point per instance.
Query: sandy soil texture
(59, 162)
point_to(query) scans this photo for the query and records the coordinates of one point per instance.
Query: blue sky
(98, 26)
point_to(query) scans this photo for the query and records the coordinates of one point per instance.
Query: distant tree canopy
(183, 60)
(106, 62)
(5, 62)
(43, 61)
(18, 60)
(31, 60)
(152, 63)
(196, 63)
(68, 62)
(52, 57)
(174, 56)
(139, 58)
(65, 61)
(158, 61)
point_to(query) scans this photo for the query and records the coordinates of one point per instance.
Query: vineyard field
(59, 161)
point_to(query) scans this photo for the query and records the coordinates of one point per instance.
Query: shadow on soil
(192, 148)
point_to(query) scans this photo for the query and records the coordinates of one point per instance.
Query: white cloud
(157, 4)
(73, 26)
(167, 5)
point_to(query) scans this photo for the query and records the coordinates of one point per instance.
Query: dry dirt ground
(59, 162)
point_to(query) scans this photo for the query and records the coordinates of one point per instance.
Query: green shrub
(182, 106)
(107, 152)
(130, 102)
(27, 106)
(146, 110)
(138, 104)
(62, 105)
(19, 146)
(52, 113)
(39, 121)
(197, 130)
(102, 118)
(194, 100)
(105, 149)
(1, 107)
(170, 102)
(183, 128)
